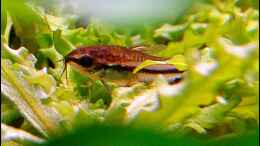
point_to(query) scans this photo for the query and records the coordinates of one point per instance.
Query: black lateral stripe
(119, 67)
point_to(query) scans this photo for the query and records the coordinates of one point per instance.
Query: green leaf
(173, 48)
(51, 55)
(20, 55)
(6, 24)
(3, 18)
(170, 32)
(27, 29)
(210, 116)
(95, 34)
(62, 45)
(179, 62)
(125, 136)
(145, 64)
(26, 96)
(9, 113)
(9, 133)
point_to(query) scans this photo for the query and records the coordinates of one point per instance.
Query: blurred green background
(215, 41)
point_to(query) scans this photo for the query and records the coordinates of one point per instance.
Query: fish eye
(85, 61)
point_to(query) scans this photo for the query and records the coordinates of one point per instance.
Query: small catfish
(116, 64)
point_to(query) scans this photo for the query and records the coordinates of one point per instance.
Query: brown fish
(122, 59)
